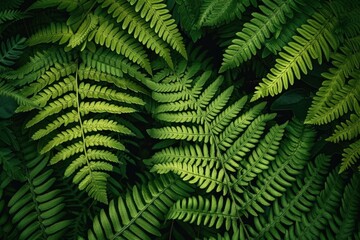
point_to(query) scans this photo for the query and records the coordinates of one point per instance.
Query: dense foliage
(179, 119)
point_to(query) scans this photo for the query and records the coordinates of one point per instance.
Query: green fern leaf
(140, 213)
(91, 125)
(326, 204)
(285, 33)
(239, 125)
(171, 93)
(344, 224)
(121, 42)
(107, 62)
(55, 32)
(72, 105)
(256, 31)
(346, 131)
(9, 91)
(158, 15)
(11, 50)
(83, 31)
(315, 38)
(37, 207)
(89, 73)
(350, 155)
(55, 107)
(100, 107)
(237, 149)
(293, 155)
(342, 101)
(37, 66)
(215, 12)
(11, 15)
(223, 119)
(296, 202)
(124, 13)
(95, 91)
(212, 213)
(345, 64)
(261, 157)
(208, 177)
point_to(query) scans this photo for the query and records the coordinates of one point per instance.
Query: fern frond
(315, 38)
(296, 202)
(11, 50)
(90, 73)
(285, 33)
(346, 131)
(224, 118)
(238, 148)
(345, 62)
(9, 91)
(55, 32)
(140, 213)
(261, 156)
(37, 207)
(171, 93)
(107, 62)
(70, 119)
(186, 12)
(344, 224)
(256, 31)
(350, 155)
(292, 156)
(326, 205)
(89, 23)
(215, 12)
(212, 213)
(121, 42)
(211, 110)
(38, 65)
(124, 13)
(236, 127)
(345, 99)
(10, 15)
(158, 15)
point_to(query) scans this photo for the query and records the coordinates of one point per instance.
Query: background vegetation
(179, 119)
